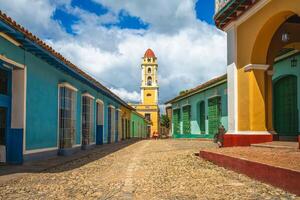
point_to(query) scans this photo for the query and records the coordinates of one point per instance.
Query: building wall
(126, 116)
(42, 99)
(154, 111)
(283, 68)
(139, 128)
(194, 100)
(252, 37)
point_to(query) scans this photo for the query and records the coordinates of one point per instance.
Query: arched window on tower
(149, 70)
(149, 81)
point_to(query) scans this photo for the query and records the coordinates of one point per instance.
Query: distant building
(149, 92)
(198, 112)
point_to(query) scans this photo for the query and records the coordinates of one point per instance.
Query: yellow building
(149, 91)
(258, 33)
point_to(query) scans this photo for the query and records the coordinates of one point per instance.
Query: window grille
(87, 120)
(67, 117)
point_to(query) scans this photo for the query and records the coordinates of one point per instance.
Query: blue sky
(107, 39)
(204, 12)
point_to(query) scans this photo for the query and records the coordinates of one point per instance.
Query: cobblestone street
(148, 169)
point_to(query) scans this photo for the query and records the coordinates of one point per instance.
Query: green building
(198, 112)
(139, 126)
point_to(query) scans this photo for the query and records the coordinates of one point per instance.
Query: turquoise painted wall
(283, 68)
(138, 121)
(42, 98)
(194, 101)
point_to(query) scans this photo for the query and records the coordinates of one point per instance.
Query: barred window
(87, 120)
(100, 109)
(67, 117)
(3, 82)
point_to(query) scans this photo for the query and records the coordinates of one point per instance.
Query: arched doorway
(286, 107)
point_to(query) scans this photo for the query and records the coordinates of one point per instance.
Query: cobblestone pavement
(148, 169)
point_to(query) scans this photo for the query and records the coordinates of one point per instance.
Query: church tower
(149, 87)
(149, 92)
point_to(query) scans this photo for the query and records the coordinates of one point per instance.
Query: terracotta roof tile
(198, 88)
(8, 20)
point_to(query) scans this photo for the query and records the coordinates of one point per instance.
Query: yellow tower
(149, 91)
(149, 87)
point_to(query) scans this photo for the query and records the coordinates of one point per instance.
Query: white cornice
(86, 94)
(250, 67)
(68, 85)
(11, 62)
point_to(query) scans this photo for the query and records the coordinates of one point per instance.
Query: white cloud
(35, 15)
(127, 96)
(189, 51)
(164, 16)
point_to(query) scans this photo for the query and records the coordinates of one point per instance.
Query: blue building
(49, 106)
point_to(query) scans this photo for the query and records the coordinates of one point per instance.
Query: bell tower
(149, 87)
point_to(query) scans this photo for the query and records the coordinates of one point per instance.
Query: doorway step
(278, 145)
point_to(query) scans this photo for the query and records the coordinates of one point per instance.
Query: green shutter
(285, 106)
(176, 121)
(186, 119)
(202, 116)
(214, 114)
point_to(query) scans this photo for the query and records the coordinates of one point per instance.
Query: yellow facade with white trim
(253, 43)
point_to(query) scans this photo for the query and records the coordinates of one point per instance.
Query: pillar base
(240, 139)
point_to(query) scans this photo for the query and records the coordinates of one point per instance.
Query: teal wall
(283, 68)
(194, 101)
(42, 98)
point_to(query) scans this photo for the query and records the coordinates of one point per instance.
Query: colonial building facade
(200, 111)
(149, 91)
(263, 100)
(49, 106)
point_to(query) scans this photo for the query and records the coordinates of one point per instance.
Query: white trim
(250, 133)
(9, 61)
(76, 145)
(247, 14)
(68, 85)
(86, 94)
(213, 96)
(111, 106)
(236, 99)
(286, 55)
(118, 109)
(99, 101)
(40, 150)
(250, 67)
(10, 39)
(24, 102)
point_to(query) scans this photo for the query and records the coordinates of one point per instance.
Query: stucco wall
(194, 100)
(42, 99)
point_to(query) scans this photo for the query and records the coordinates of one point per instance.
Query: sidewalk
(11, 172)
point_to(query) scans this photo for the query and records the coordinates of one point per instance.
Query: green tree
(165, 121)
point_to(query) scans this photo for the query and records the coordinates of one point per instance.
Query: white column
(232, 85)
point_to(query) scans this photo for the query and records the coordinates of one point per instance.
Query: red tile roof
(198, 88)
(8, 20)
(149, 54)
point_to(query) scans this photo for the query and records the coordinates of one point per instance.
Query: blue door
(99, 135)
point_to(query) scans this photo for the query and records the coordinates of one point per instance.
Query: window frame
(75, 90)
